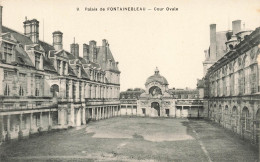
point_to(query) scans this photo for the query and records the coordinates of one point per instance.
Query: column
(97, 113)
(106, 112)
(93, 111)
(132, 110)
(126, 110)
(1, 128)
(190, 111)
(49, 121)
(40, 119)
(103, 112)
(100, 116)
(181, 111)
(83, 119)
(8, 136)
(20, 133)
(31, 123)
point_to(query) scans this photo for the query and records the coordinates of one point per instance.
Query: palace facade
(44, 87)
(232, 80)
(157, 100)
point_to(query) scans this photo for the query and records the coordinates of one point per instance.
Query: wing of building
(157, 100)
(45, 87)
(231, 83)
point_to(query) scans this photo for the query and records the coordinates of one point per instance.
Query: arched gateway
(155, 106)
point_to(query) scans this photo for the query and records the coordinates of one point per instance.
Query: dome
(156, 78)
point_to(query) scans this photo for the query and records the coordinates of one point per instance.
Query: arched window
(245, 120)
(234, 117)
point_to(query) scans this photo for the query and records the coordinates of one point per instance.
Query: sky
(173, 41)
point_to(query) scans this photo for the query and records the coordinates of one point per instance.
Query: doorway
(156, 106)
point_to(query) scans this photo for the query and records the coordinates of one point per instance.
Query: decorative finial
(156, 70)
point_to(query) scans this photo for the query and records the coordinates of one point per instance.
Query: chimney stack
(236, 26)
(213, 42)
(31, 29)
(93, 51)
(105, 46)
(86, 52)
(57, 40)
(1, 25)
(74, 49)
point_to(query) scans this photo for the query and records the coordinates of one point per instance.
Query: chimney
(104, 44)
(93, 51)
(57, 40)
(74, 49)
(86, 52)
(213, 42)
(1, 25)
(31, 29)
(236, 26)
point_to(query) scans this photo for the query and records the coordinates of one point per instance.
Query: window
(67, 90)
(143, 110)
(37, 60)
(37, 120)
(37, 91)
(245, 119)
(7, 90)
(38, 84)
(5, 74)
(58, 66)
(80, 90)
(21, 91)
(8, 52)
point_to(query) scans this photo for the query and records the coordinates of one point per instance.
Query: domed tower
(155, 81)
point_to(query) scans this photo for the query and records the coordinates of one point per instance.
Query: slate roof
(23, 58)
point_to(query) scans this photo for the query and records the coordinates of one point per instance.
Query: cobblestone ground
(134, 139)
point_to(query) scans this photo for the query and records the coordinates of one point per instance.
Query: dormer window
(8, 51)
(37, 60)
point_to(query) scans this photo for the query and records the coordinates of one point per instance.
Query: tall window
(58, 66)
(7, 52)
(37, 91)
(245, 119)
(21, 92)
(253, 80)
(38, 85)
(37, 61)
(67, 90)
(74, 91)
(7, 90)
(80, 90)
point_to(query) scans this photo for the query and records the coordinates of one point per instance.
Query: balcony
(102, 101)
(189, 102)
(26, 103)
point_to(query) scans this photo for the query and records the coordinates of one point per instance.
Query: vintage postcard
(129, 80)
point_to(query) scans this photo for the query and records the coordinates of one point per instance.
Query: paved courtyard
(134, 139)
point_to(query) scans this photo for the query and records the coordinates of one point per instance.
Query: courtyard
(134, 139)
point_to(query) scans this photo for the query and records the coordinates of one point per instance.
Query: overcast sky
(173, 41)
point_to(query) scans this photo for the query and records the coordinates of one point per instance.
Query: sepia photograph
(130, 80)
